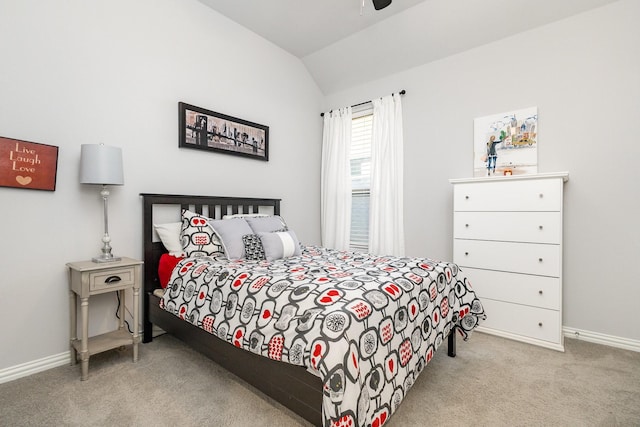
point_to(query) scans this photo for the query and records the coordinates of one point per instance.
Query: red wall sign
(28, 164)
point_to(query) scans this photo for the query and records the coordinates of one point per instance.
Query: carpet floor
(491, 382)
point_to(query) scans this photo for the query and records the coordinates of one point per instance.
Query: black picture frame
(207, 130)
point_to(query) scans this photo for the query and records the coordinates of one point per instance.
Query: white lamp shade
(101, 164)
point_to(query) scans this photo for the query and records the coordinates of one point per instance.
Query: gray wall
(77, 72)
(583, 74)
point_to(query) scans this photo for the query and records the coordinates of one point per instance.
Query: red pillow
(165, 267)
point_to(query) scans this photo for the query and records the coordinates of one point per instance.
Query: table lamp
(102, 164)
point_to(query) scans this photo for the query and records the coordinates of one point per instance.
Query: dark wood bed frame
(292, 386)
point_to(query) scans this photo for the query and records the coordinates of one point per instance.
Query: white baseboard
(30, 368)
(598, 338)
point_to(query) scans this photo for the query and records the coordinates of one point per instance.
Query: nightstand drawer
(111, 279)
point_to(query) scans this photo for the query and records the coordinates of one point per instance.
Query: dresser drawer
(529, 258)
(535, 291)
(537, 323)
(516, 195)
(112, 279)
(536, 227)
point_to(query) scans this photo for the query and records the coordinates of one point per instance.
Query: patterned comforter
(366, 325)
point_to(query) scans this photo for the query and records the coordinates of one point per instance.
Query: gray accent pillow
(230, 232)
(278, 245)
(266, 224)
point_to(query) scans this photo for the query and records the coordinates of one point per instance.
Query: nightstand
(87, 278)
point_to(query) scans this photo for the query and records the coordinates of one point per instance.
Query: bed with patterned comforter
(366, 325)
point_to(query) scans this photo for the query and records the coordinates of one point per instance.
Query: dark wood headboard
(212, 206)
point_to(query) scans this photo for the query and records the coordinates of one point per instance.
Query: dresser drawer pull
(541, 195)
(540, 324)
(540, 227)
(466, 197)
(112, 279)
(466, 253)
(540, 291)
(539, 259)
(466, 225)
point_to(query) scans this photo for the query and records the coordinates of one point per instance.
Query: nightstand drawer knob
(112, 279)
(540, 291)
(539, 259)
(466, 253)
(466, 225)
(540, 324)
(540, 227)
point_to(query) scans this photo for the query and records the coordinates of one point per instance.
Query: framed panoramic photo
(28, 165)
(207, 130)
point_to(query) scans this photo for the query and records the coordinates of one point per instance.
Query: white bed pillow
(279, 244)
(230, 232)
(169, 234)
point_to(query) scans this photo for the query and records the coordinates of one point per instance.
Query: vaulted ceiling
(343, 43)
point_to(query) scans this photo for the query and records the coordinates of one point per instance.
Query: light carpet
(491, 382)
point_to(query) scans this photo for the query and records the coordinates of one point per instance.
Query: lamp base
(106, 258)
(106, 255)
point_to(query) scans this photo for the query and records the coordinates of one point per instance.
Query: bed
(354, 330)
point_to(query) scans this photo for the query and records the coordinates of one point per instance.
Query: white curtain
(335, 189)
(386, 225)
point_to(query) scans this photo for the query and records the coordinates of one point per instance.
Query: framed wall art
(28, 165)
(207, 130)
(506, 143)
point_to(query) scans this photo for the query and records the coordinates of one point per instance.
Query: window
(361, 129)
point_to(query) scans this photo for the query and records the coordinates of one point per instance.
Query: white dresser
(507, 238)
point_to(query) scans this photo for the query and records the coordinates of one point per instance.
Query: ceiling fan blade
(380, 4)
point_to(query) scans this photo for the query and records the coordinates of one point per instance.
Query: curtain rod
(402, 92)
